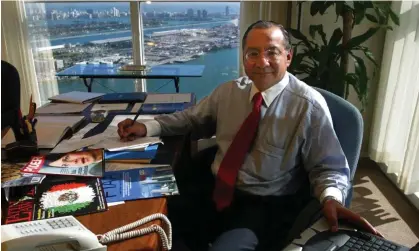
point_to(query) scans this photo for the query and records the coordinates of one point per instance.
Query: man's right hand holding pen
(128, 130)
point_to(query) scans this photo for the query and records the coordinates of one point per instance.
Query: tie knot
(257, 100)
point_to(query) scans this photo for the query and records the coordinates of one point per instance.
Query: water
(220, 66)
(147, 31)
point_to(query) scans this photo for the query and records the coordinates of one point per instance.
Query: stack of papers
(77, 97)
(60, 108)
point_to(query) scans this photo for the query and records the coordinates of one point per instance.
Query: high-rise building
(227, 11)
(190, 12)
(198, 13)
(204, 13)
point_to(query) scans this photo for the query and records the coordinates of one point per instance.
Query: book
(11, 176)
(61, 108)
(50, 130)
(77, 97)
(54, 198)
(139, 183)
(81, 163)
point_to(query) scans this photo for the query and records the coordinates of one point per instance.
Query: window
(192, 33)
(63, 34)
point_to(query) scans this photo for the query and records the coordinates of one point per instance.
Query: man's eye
(273, 53)
(253, 54)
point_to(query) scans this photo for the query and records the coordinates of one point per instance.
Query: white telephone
(63, 234)
(68, 234)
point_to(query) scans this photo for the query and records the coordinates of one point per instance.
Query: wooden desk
(120, 215)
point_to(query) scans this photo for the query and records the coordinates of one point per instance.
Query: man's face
(76, 159)
(265, 58)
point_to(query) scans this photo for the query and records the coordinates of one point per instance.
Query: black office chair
(10, 95)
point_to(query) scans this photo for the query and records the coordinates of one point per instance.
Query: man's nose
(262, 61)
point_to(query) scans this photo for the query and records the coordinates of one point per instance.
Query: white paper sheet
(119, 118)
(70, 145)
(112, 142)
(154, 98)
(136, 107)
(110, 107)
(80, 134)
(111, 204)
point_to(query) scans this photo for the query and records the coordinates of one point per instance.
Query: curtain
(252, 11)
(30, 53)
(395, 130)
(42, 52)
(16, 50)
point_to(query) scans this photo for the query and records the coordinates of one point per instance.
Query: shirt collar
(270, 94)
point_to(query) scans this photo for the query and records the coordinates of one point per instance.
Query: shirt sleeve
(324, 158)
(153, 128)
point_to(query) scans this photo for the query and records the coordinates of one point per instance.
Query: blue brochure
(140, 183)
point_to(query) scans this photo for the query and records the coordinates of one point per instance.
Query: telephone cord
(119, 235)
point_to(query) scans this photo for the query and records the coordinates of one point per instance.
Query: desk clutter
(78, 167)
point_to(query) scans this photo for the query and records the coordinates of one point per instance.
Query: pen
(136, 117)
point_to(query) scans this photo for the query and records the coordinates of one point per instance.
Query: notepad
(154, 98)
(49, 130)
(61, 108)
(77, 97)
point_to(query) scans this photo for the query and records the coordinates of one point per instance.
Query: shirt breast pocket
(269, 161)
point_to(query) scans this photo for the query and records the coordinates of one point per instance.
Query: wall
(375, 44)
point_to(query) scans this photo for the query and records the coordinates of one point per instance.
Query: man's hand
(333, 211)
(128, 131)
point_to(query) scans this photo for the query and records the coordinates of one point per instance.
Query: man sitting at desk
(271, 130)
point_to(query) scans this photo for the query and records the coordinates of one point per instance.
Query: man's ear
(289, 57)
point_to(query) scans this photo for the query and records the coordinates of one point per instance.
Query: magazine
(81, 163)
(11, 176)
(55, 198)
(139, 183)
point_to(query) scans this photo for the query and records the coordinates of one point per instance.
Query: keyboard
(348, 240)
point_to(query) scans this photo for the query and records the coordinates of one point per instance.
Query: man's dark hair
(266, 25)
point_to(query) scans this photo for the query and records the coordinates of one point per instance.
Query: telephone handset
(63, 233)
(68, 234)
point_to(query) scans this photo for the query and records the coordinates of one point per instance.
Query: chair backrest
(10, 94)
(349, 127)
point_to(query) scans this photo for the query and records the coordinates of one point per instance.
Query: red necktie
(235, 155)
